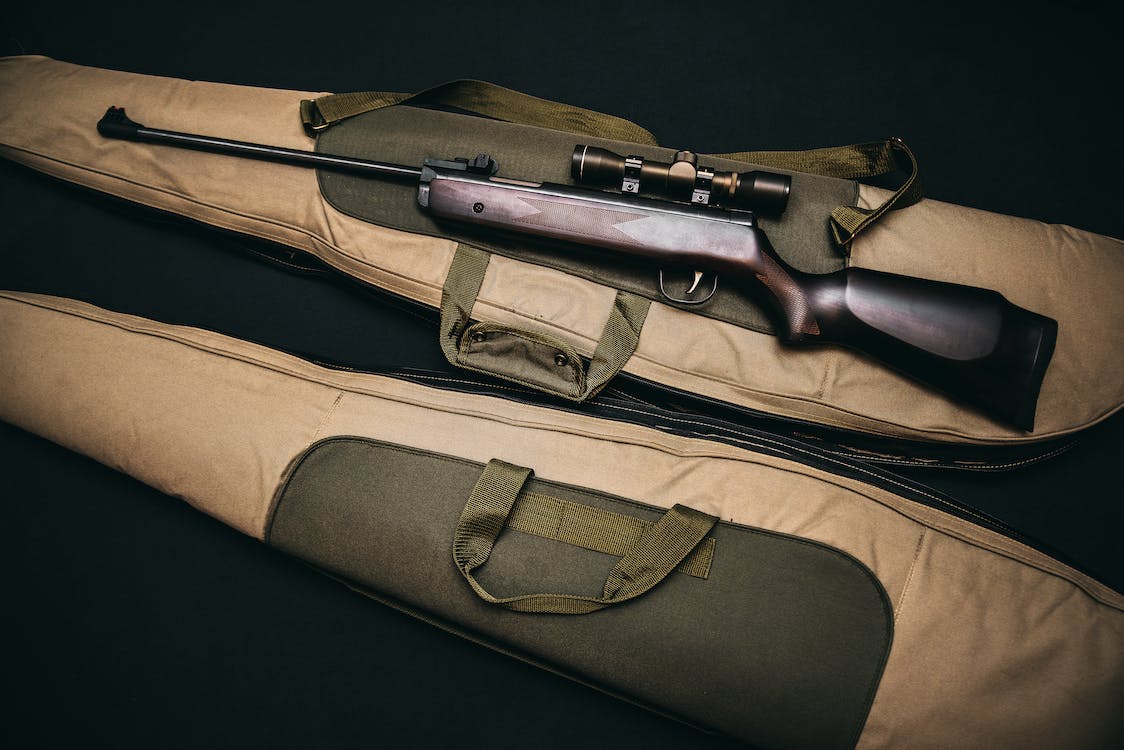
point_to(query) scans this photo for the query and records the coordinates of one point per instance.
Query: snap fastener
(561, 360)
(478, 337)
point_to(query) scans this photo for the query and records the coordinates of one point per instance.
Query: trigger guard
(681, 301)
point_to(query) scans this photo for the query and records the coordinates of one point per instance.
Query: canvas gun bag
(534, 306)
(739, 581)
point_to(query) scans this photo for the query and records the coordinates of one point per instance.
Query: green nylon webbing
(619, 338)
(458, 296)
(849, 162)
(594, 529)
(483, 98)
(663, 546)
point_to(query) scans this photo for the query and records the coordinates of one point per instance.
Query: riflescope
(683, 180)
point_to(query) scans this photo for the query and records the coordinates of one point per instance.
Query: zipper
(847, 443)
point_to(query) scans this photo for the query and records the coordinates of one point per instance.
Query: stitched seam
(823, 381)
(327, 415)
(275, 498)
(909, 576)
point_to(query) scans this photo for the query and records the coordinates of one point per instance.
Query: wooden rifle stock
(970, 343)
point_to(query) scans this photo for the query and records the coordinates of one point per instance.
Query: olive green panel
(407, 135)
(782, 645)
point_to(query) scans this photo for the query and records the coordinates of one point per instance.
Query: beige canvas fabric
(995, 644)
(48, 110)
(1076, 277)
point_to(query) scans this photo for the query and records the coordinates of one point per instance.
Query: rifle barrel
(116, 125)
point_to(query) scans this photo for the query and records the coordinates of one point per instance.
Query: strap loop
(533, 359)
(661, 548)
(849, 162)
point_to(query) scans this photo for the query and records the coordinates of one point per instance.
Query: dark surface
(134, 621)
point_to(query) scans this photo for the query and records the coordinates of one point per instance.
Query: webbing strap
(849, 162)
(527, 357)
(619, 339)
(458, 296)
(483, 98)
(660, 549)
(594, 529)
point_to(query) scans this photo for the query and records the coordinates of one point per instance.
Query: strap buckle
(311, 118)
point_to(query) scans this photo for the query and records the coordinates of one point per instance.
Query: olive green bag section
(407, 135)
(744, 631)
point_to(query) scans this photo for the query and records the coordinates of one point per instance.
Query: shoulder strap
(845, 162)
(483, 98)
(849, 162)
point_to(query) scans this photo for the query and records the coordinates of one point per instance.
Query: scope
(683, 180)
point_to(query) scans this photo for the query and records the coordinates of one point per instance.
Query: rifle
(967, 342)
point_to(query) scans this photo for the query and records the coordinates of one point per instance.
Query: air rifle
(969, 343)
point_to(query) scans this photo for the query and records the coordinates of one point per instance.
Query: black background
(133, 621)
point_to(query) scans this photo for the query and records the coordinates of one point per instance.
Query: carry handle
(661, 549)
(533, 359)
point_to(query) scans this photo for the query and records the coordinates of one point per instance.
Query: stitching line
(327, 415)
(909, 576)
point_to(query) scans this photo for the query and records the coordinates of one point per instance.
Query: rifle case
(741, 582)
(719, 358)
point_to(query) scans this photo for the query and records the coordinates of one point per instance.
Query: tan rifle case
(717, 358)
(747, 584)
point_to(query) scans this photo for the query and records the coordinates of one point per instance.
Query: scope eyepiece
(682, 179)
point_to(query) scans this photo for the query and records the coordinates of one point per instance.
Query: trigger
(686, 300)
(695, 283)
